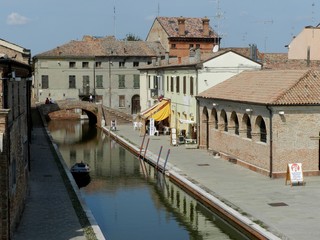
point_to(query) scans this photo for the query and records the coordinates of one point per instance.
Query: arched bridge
(93, 110)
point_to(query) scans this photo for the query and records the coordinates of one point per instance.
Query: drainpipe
(271, 141)
(197, 107)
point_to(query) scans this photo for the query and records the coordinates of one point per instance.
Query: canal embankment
(149, 149)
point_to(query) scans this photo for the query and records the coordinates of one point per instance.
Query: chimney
(205, 24)
(181, 26)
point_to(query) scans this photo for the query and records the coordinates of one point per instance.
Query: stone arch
(234, 123)
(214, 118)
(246, 125)
(224, 120)
(204, 129)
(260, 128)
(92, 110)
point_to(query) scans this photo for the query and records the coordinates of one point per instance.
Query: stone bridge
(97, 113)
(93, 110)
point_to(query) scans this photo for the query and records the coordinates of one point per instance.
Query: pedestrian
(47, 101)
(90, 98)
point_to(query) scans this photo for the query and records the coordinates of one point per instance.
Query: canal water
(128, 199)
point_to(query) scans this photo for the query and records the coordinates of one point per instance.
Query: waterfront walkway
(276, 210)
(49, 211)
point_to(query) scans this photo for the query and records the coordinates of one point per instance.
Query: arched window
(235, 122)
(246, 123)
(261, 125)
(214, 116)
(224, 119)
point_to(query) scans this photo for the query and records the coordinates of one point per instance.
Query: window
(190, 45)
(72, 81)
(86, 84)
(136, 81)
(247, 125)
(135, 64)
(262, 129)
(173, 45)
(171, 84)
(122, 102)
(234, 121)
(45, 81)
(99, 81)
(178, 84)
(184, 85)
(98, 64)
(167, 83)
(121, 64)
(122, 81)
(197, 46)
(224, 119)
(149, 81)
(85, 64)
(72, 64)
(191, 86)
(155, 82)
(215, 118)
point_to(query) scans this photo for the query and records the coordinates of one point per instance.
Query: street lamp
(110, 64)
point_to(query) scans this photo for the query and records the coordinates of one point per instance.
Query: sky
(41, 25)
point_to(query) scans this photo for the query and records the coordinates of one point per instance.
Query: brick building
(179, 35)
(15, 92)
(264, 120)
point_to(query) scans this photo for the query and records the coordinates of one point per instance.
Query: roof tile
(276, 87)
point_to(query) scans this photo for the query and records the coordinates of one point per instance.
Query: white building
(181, 83)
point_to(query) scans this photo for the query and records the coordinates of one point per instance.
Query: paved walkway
(246, 191)
(48, 213)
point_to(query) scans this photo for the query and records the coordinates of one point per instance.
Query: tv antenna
(312, 13)
(219, 15)
(114, 18)
(264, 29)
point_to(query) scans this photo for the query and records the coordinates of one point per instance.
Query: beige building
(264, 120)
(306, 45)
(103, 67)
(15, 127)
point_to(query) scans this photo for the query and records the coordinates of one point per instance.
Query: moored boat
(80, 168)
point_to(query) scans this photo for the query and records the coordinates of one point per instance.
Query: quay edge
(233, 217)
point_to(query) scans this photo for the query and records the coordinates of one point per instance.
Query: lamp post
(94, 80)
(110, 64)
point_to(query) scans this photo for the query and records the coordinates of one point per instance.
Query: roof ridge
(286, 91)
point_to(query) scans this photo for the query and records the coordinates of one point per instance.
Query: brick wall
(295, 137)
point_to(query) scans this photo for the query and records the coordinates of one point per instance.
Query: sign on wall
(294, 174)
(151, 127)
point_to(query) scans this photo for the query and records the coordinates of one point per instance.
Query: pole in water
(159, 157)
(165, 163)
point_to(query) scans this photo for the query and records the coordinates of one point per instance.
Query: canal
(128, 199)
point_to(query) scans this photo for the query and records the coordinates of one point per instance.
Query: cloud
(16, 19)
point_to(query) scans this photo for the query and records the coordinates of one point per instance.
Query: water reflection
(129, 199)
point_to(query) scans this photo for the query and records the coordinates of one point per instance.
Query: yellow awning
(158, 112)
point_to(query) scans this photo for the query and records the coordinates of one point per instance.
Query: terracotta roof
(105, 46)
(276, 87)
(193, 27)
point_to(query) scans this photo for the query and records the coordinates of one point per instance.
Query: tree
(132, 37)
